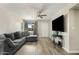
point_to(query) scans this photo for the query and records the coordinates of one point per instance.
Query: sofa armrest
(10, 43)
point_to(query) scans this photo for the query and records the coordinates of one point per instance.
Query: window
(29, 25)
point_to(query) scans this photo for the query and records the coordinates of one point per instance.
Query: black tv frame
(58, 24)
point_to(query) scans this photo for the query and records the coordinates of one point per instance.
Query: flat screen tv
(58, 24)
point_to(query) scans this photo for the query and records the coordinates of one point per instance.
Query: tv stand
(58, 39)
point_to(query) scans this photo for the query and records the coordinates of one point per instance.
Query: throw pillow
(17, 35)
(11, 36)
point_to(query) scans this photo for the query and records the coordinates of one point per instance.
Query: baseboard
(73, 51)
(66, 49)
(70, 51)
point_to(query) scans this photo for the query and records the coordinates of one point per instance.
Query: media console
(58, 40)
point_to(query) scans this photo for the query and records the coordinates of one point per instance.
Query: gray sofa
(14, 41)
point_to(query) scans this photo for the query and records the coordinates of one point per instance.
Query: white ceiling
(29, 10)
(76, 6)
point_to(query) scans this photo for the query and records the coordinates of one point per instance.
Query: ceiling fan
(40, 12)
(42, 15)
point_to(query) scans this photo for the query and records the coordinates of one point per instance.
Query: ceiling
(76, 6)
(30, 10)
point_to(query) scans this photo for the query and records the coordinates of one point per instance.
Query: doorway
(43, 29)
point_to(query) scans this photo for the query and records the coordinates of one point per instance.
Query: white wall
(8, 22)
(50, 29)
(74, 31)
(66, 32)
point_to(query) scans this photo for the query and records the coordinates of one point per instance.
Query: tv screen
(58, 24)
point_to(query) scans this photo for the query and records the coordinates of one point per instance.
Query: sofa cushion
(11, 36)
(10, 43)
(17, 35)
(19, 40)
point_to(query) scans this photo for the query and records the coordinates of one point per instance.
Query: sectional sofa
(14, 41)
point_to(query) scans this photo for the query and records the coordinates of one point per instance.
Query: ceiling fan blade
(44, 7)
(42, 16)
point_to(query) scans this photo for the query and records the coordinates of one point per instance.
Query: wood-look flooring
(43, 46)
